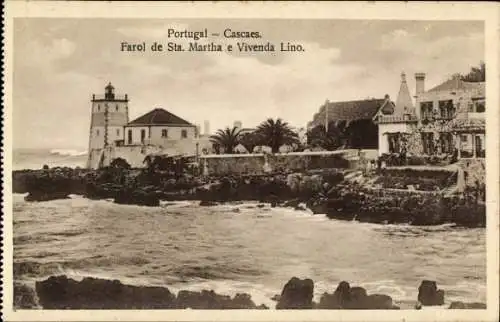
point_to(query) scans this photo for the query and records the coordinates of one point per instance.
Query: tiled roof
(159, 116)
(458, 84)
(348, 110)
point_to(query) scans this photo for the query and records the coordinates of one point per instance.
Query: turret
(108, 116)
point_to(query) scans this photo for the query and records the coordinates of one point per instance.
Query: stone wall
(265, 163)
(135, 154)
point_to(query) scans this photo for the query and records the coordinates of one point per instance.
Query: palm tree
(276, 133)
(227, 139)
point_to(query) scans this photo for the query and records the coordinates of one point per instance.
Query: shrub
(119, 163)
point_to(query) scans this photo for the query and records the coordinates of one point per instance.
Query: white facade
(158, 134)
(108, 116)
(385, 129)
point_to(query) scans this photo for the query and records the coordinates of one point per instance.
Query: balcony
(123, 98)
(407, 118)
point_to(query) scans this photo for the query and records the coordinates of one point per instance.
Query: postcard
(238, 161)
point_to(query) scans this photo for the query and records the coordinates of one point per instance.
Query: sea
(37, 158)
(239, 247)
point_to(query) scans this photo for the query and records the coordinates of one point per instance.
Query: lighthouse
(109, 115)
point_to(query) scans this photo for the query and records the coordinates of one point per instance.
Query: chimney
(198, 131)
(207, 127)
(420, 83)
(237, 124)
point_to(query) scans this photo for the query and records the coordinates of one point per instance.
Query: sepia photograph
(233, 163)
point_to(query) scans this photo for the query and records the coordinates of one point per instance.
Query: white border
(319, 10)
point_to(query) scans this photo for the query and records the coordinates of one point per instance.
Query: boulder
(207, 203)
(467, 306)
(60, 292)
(201, 300)
(338, 299)
(24, 297)
(211, 300)
(355, 298)
(137, 197)
(292, 203)
(428, 294)
(296, 294)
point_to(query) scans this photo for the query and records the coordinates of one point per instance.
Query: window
(426, 110)
(164, 133)
(97, 132)
(477, 106)
(117, 132)
(465, 146)
(480, 146)
(117, 108)
(129, 136)
(446, 142)
(143, 135)
(446, 109)
(394, 142)
(428, 142)
(98, 107)
(184, 134)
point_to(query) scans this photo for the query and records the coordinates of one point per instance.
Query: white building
(156, 132)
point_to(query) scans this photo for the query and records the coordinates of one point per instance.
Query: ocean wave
(68, 152)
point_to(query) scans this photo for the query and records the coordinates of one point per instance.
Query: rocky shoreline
(332, 192)
(61, 292)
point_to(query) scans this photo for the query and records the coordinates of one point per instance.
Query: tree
(275, 133)
(476, 74)
(250, 140)
(119, 163)
(318, 136)
(226, 139)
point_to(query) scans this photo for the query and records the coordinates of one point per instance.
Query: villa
(447, 120)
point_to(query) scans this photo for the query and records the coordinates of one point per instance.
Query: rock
(357, 298)
(243, 301)
(24, 297)
(276, 297)
(429, 295)
(379, 302)
(466, 306)
(201, 300)
(211, 300)
(207, 203)
(137, 197)
(300, 207)
(346, 297)
(59, 292)
(46, 196)
(296, 294)
(292, 203)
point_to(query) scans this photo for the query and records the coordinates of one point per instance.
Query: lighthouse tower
(109, 115)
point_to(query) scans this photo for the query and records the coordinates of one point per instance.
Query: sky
(59, 63)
